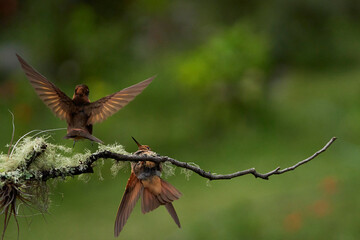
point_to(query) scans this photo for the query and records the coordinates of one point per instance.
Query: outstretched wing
(107, 106)
(131, 195)
(51, 95)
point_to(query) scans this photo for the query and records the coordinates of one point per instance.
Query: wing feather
(51, 95)
(168, 192)
(131, 195)
(107, 106)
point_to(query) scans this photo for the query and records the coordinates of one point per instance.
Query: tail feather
(80, 133)
(168, 194)
(149, 201)
(162, 198)
(173, 214)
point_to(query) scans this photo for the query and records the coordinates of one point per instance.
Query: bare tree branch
(87, 166)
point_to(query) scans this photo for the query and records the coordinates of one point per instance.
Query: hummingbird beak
(136, 142)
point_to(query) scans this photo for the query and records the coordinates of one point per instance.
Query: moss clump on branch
(188, 172)
(117, 148)
(21, 165)
(32, 161)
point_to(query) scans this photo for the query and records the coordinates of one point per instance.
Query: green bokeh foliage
(239, 84)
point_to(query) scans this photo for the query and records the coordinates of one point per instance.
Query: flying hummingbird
(79, 113)
(145, 181)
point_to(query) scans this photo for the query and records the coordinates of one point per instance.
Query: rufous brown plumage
(79, 113)
(145, 182)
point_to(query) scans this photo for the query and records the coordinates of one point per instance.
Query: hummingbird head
(142, 147)
(81, 90)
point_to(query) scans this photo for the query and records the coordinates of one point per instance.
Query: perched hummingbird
(79, 113)
(145, 181)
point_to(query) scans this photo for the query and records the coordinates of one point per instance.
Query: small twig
(13, 131)
(28, 133)
(86, 166)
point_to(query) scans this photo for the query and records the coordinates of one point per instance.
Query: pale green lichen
(116, 148)
(84, 177)
(208, 184)
(117, 165)
(22, 151)
(57, 157)
(188, 172)
(99, 164)
(54, 156)
(39, 195)
(168, 169)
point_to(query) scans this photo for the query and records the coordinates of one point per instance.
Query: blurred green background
(239, 84)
